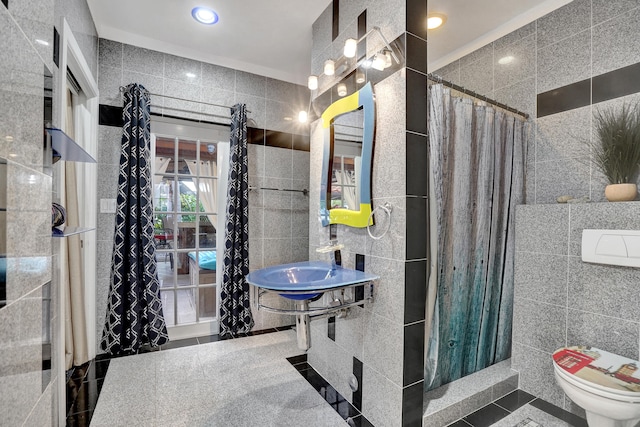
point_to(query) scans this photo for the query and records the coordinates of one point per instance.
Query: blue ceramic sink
(306, 279)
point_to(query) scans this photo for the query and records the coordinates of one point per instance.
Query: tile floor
(259, 380)
(520, 409)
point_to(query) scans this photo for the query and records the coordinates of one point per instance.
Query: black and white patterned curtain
(134, 310)
(235, 308)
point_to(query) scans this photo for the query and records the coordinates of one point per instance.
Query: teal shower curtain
(477, 158)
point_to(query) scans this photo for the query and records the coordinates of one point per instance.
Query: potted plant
(616, 150)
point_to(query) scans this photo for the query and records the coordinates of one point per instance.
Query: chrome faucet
(333, 248)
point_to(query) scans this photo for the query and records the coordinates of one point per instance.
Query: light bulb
(379, 62)
(312, 82)
(360, 78)
(350, 47)
(302, 116)
(329, 67)
(204, 15)
(387, 59)
(342, 89)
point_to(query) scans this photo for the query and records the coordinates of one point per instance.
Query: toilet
(605, 385)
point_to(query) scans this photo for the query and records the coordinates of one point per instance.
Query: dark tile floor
(501, 408)
(346, 410)
(84, 383)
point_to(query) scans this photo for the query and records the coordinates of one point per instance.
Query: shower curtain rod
(436, 78)
(187, 100)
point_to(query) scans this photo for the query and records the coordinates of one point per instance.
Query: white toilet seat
(588, 386)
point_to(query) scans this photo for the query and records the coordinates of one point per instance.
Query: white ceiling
(273, 37)
(266, 37)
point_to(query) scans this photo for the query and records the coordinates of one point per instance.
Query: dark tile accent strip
(46, 340)
(360, 421)
(331, 328)
(564, 98)
(255, 136)
(412, 398)
(301, 142)
(359, 290)
(56, 47)
(417, 165)
(180, 343)
(356, 397)
(296, 360)
(362, 30)
(559, 413)
(621, 82)
(416, 227)
(417, 103)
(415, 291)
(417, 18)
(278, 139)
(335, 24)
(413, 355)
(486, 416)
(110, 116)
(416, 53)
(514, 400)
(5, 3)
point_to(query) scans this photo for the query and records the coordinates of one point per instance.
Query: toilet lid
(600, 368)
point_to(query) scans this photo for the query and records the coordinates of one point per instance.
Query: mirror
(345, 194)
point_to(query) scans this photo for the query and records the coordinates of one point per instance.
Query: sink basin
(306, 280)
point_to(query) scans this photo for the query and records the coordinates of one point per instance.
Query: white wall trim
(501, 31)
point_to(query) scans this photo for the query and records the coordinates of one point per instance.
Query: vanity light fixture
(302, 116)
(329, 67)
(379, 62)
(204, 15)
(350, 48)
(435, 20)
(312, 82)
(342, 89)
(383, 59)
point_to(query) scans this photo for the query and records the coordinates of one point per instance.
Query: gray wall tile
(541, 277)
(215, 76)
(603, 10)
(382, 403)
(597, 288)
(604, 332)
(616, 43)
(564, 22)
(538, 325)
(565, 62)
(542, 229)
(536, 373)
(563, 135)
(521, 68)
(109, 53)
(520, 95)
(575, 181)
(177, 68)
(478, 75)
(251, 84)
(143, 60)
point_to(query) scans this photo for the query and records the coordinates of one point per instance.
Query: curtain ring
(386, 208)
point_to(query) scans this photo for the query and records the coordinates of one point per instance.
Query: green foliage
(188, 204)
(616, 149)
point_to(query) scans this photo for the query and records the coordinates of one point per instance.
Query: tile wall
(28, 389)
(560, 301)
(584, 39)
(384, 340)
(278, 149)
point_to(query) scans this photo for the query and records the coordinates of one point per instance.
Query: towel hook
(386, 208)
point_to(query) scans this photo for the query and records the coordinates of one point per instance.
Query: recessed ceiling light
(42, 42)
(190, 75)
(435, 20)
(204, 15)
(506, 60)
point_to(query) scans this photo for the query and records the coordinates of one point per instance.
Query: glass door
(186, 223)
